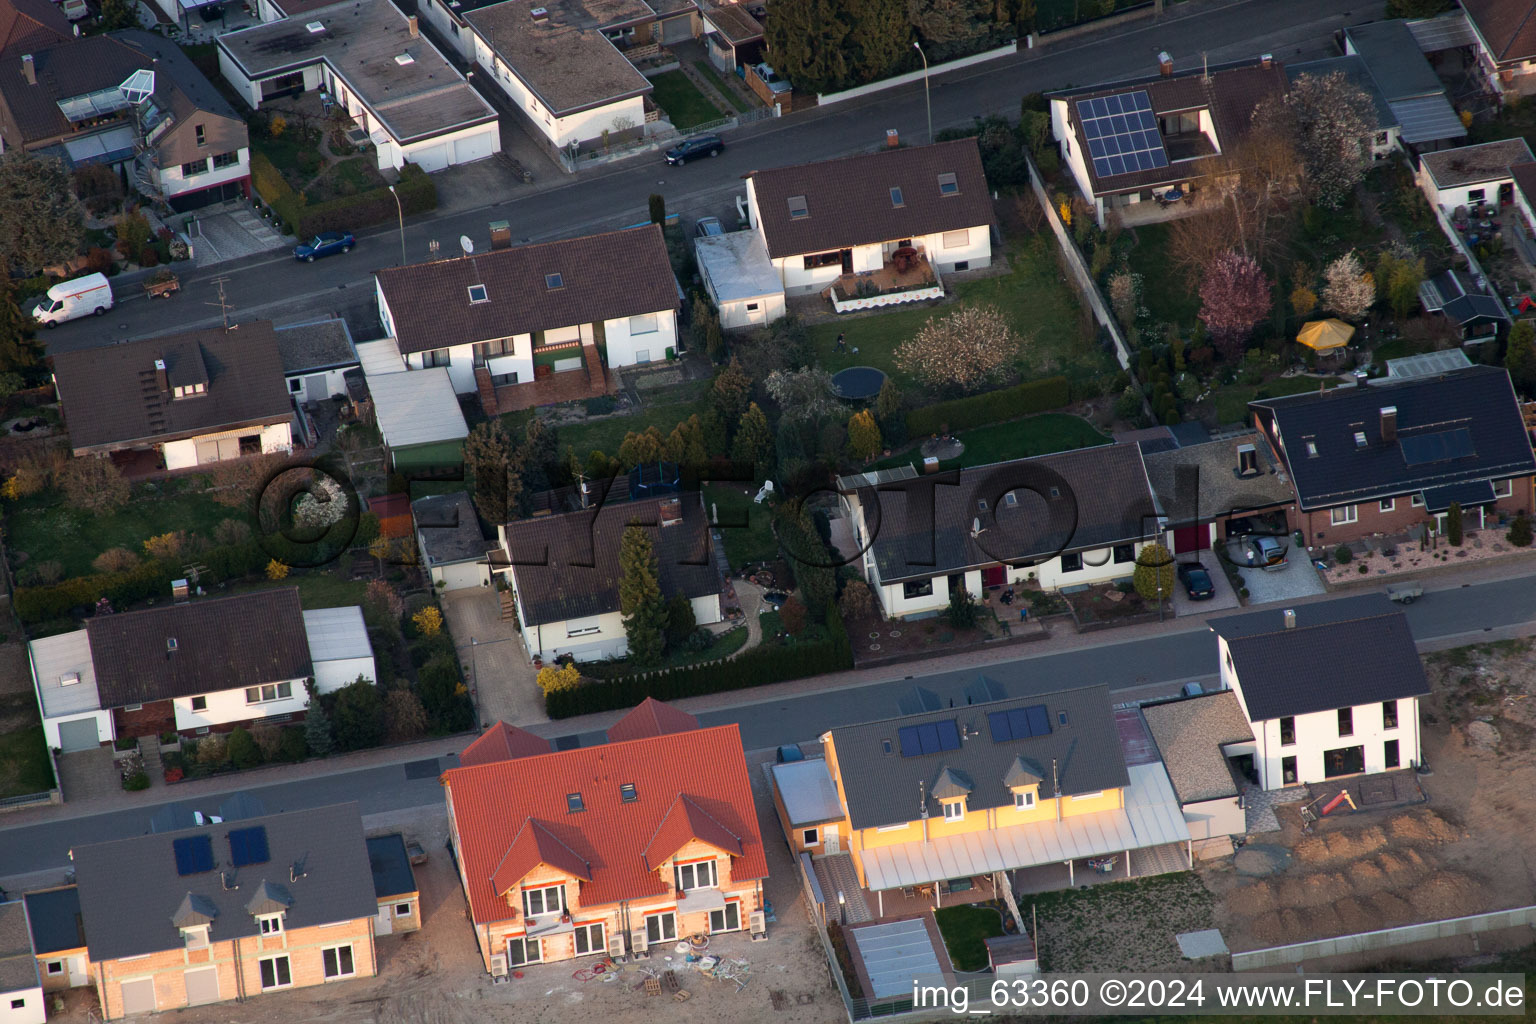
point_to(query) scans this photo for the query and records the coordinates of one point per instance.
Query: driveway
(88, 775)
(228, 232)
(495, 663)
(1297, 579)
(1225, 596)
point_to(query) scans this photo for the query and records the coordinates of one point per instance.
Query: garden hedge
(416, 191)
(756, 667)
(992, 407)
(147, 579)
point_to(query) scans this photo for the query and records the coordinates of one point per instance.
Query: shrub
(317, 727)
(1520, 531)
(167, 545)
(269, 740)
(680, 620)
(404, 716)
(558, 677)
(428, 621)
(49, 572)
(1342, 554)
(276, 570)
(115, 560)
(293, 746)
(137, 781)
(961, 613)
(232, 531)
(212, 749)
(242, 749)
(445, 696)
(793, 615)
(990, 407)
(857, 602)
(359, 716)
(1453, 527)
(93, 484)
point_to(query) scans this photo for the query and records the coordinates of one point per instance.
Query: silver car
(1263, 552)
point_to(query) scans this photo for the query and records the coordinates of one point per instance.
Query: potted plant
(538, 662)
(565, 917)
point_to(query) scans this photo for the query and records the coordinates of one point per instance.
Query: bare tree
(1330, 121)
(963, 351)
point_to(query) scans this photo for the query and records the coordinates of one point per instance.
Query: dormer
(683, 835)
(538, 853)
(953, 791)
(1023, 780)
(194, 919)
(269, 906)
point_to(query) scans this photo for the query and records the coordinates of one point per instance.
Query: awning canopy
(1323, 335)
(102, 148)
(1438, 499)
(1151, 817)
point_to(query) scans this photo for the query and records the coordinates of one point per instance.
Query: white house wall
(104, 728)
(227, 706)
(277, 437)
(1319, 732)
(462, 40)
(1450, 198)
(249, 90)
(333, 675)
(1061, 129)
(583, 126)
(976, 253)
(23, 1005)
(552, 639)
(1212, 819)
(1099, 566)
(706, 609)
(461, 575)
(335, 383)
(622, 346)
(736, 313)
(416, 152)
(172, 183)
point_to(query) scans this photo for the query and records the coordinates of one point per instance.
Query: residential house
(1207, 746)
(960, 794)
(371, 61)
(564, 572)
(1316, 715)
(740, 279)
(841, 223)
(1130, 142)
(530, 50)
(1057, 520)
(1215, 491)
(27, 25)
(1505, 33)
(1472, 175)
(536, 324)
(418, 416)
(227, 910)
(609, 849)
(1416, 99)
(1386, 131)
(1388, 456)
(810, 813)
(194, 667)
(1478, 316)
(130, 100)
(21, 987)
(58, 938)
(394, 885)
(453, 549)
(177, 401)
(316, 357)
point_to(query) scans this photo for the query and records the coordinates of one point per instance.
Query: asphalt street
(275, 286)
(1139, 668)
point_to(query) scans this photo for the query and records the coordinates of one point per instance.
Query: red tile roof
(651, 718)
(686, 821)
(502, 742)
(494, 804)
(536, 845)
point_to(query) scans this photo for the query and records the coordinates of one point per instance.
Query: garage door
(1191, 538)
(139, 996)
(316, 388)
(430, 158)
(458, 577)
(78, 735)
(476, 147)
(202, 986)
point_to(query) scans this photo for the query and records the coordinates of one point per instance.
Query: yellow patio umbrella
(1325, 335)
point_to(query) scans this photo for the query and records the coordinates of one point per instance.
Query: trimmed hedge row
(348, 213)
(756, 667)
(993, 407)
(145, 580)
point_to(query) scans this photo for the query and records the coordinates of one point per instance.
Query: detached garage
(418, 413)
(740, 279)
(451, 543)
(65, 680)
(339, 647)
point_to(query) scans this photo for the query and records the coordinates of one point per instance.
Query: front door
(384, 922)
(994, 575)
(831, 841)
(847, 255)
(78, 975)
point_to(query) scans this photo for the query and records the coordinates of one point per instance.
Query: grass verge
(713, 77)
(966, 931)
(685, 105)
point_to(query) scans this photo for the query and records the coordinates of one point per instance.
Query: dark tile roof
(1230, 93)
(849, 199)
(556, 589)
(1199, 483)
(1102, 499)
(391, 866)
(449, 529)
(1316, 666)
(185, 91)
(110, 398)
(886, 788)
(1475, 408)
(18, 967)
(30, 25)
(604, 277)
(1447, 293)
(316, 346)
(55, 918)
(130, 888)
(1507, 26)
(222, 643)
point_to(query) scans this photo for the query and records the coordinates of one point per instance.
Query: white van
(70, 299)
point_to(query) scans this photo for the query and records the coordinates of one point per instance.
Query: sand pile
(1422, 827)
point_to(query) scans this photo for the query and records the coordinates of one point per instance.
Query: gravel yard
(1121, 926)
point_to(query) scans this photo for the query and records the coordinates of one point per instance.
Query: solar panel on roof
(1122, 133)
(928, 736)
(949, 735)
(1438, 447)
(911, 746)
(997, 721)
(194, 854)
(1039, 724)
(249, 846)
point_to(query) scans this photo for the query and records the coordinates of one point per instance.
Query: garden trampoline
(858, 382)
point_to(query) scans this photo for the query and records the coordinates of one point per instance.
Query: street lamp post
(401, 211)
(926, 99)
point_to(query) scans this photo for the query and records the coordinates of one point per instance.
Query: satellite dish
(139, 86)
(976, 529)
(465, 244)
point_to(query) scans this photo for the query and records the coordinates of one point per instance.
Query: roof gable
(536, 845)
(686, 820)
(849, 201)
(602, 277)
(650, 718)
(503, 742)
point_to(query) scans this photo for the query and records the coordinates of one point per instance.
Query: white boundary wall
(1385, 938)
(824, 99)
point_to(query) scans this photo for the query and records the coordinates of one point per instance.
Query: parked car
(790, 753)
(1192, 690)
(688, 149)
(90, 295)
(74, 10)
(1197, 582)
(327, 244)
(1267, 553)
(708, 226)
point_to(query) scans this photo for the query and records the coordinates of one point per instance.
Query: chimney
(28, 69)
(539, 13)
(162, 379)
(1165, 64)
(1290, 618)
(415, 26)
(1360, 378)
(1267, 61)
(670, 512)
(892, 138)
(1247, 460)
(1389, 423)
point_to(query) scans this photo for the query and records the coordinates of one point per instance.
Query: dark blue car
(1197, 582)
(703, 145)
(327, 244)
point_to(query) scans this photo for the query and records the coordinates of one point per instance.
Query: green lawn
(1019, 439)
(606, 435)
(1041, 309)
(681, 99)
(1232, 400)
(707, 69)
(346, 178)
(48, 529)
(24, 764)
(965, 931)
(1165, 291)
(318, 588)
(753, 542)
